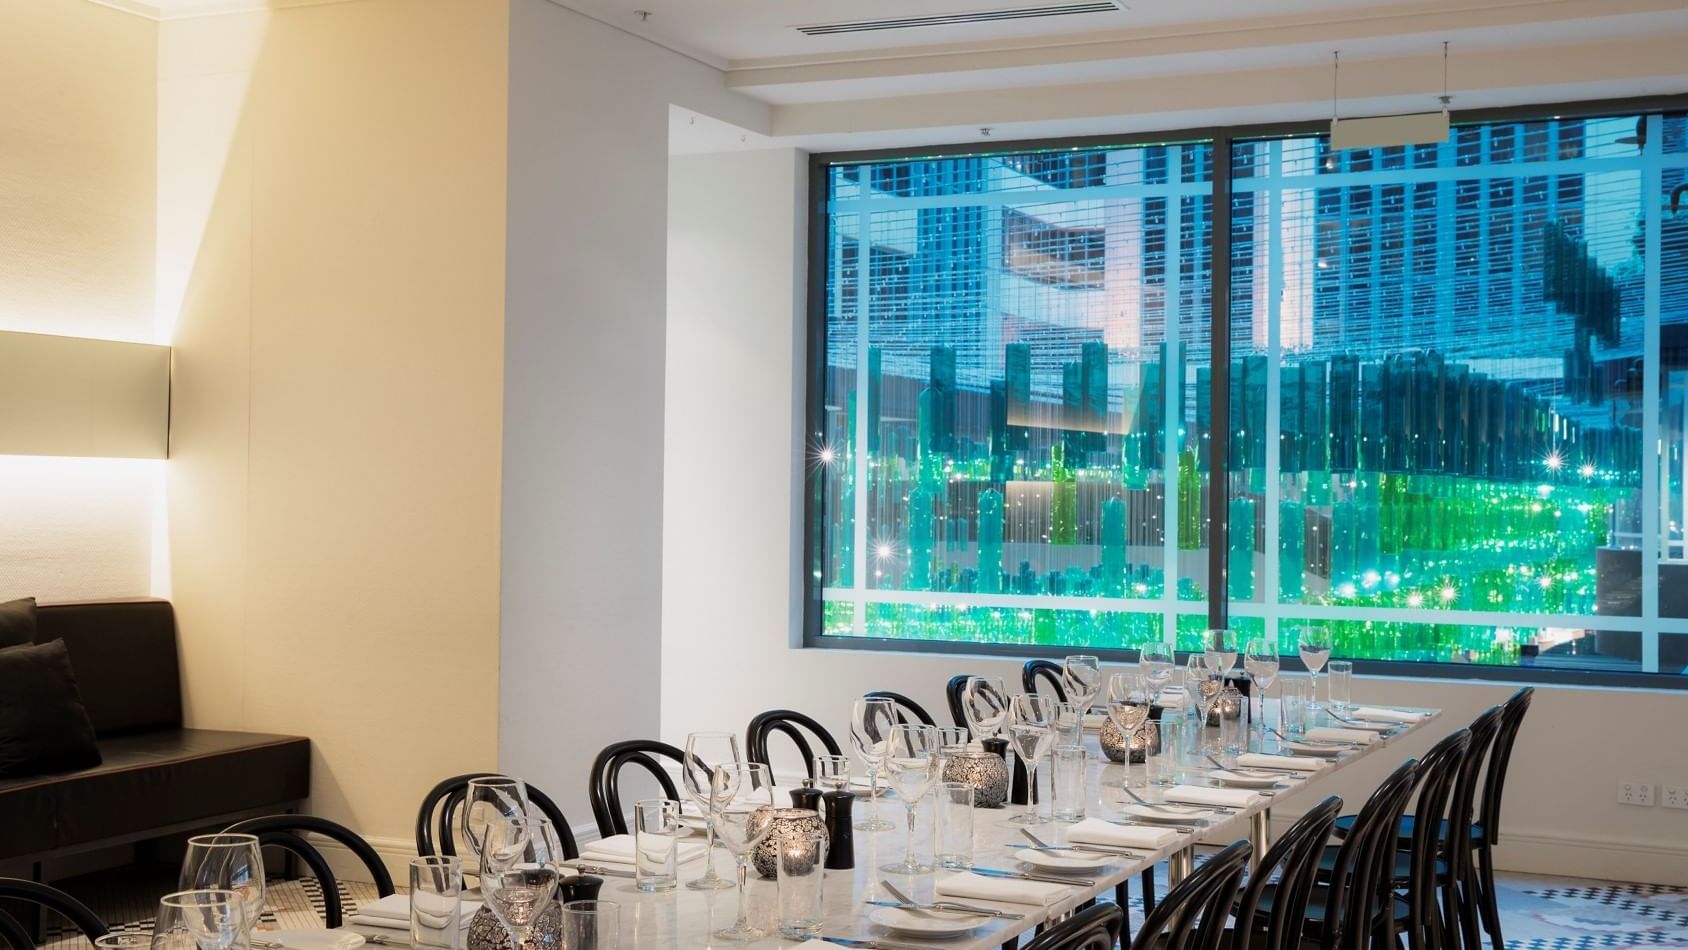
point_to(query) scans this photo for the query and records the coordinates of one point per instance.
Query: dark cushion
(125, 656)
(17, 622)
(43, 725)
(152, 782)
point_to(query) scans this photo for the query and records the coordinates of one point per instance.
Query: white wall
(729, 605)
(583, 386)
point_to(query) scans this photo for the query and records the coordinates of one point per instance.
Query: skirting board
(396, 854)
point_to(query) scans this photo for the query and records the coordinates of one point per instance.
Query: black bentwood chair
(1193, 915)
(793, 724)
(907, 709)
(1096, 927)
(1049, 672)
(44, 897)
(438, 816)
(287, 832)
(605, 779)
(1287, 873)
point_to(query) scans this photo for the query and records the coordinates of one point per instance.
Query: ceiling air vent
(953, 19)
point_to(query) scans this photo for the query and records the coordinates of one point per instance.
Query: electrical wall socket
(1673, 796)
(1635, 793)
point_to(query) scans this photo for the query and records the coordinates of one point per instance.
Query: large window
(1457, 380)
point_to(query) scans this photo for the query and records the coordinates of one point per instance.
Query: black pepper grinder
(807, 796)
(840, 830)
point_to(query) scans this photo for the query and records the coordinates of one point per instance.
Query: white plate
(1245, 779)
(926, 923)
(1175, 814)
(313, 939)
(1309, 748)
(1063, 860)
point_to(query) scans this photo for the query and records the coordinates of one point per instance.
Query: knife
(1042, 878)
(599, 869)
(945, 907)
(856, 943)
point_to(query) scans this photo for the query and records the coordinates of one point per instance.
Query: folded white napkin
(1097, 831)
(393, 912)
(1260, 760)
(1005, 890)
(1376, 714)
(618, 849)
(1167, 811)
(1172, 698)
(1332, 734)
(1203, 795)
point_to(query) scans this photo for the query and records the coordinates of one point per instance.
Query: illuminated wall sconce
(63, 395)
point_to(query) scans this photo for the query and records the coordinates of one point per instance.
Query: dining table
(686, 918)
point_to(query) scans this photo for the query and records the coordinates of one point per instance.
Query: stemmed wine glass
(744, 819)
(1081, 679)
(226, 862)
(872, 720)
(911, 760)
(1314, 647)
(1205, 692)
(514, 883)
(1261, 662)
(705, 752)
(1030, 726)
(200, 919)
(1155, 661)
(1221, 652)
(1123, 686)
(489, 799)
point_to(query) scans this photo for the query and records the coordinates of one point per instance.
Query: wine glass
(1314, 646)
(1206, 695)
(705, 751)
(1030, 728)
(487, 799)
(871, 720)
(1081, 679)
(226, 862)
(744, 819)
(1123, 686)
(1261, 662)
(1129, 712)
(200, 919)
(984, 704)
(1221, 652)
(518, 888)
(911, 760)
(1155, 662)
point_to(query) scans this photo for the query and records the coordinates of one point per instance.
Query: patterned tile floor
(1538, 913)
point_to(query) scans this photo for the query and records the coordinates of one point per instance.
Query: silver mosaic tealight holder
(1117, 749)
(790, 825)
(487, 933)
(985, 771)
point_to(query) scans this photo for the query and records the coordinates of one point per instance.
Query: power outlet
(1673, 796)
(1635, 793)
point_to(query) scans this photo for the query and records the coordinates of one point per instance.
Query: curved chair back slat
(793, 725)
(1438, 772)
(906, 707)
(1292, 862)
(346, 837)
(1096, 927)
(1494, 784)
(605, 778)
(1365, 863)
(333, 910)
(1193, 915)
(49, 898)
(438, 816)
(1457, 844)
(1046, 670)
(953, 691)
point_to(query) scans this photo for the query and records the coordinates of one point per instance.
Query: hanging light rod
(1384, 131)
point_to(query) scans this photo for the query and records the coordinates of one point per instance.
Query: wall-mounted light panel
(63, 395)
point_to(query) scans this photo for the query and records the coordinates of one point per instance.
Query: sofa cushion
(17, 622)
(43, 725)
(152, 781)
(125, 657)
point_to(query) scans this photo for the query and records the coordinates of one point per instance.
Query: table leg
(1259, 836)
(1179, 865)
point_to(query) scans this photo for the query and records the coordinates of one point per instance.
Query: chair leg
(1148, 890)
(1486, 899)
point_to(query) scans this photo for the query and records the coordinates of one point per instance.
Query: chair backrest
(1193, 915)
(1365, 864)
(1292, 862)
(1047, 670)
(1096, 927)
(1438, 773)
(1512, 717)
(438, 816)
(285, 831)
(906, 707)
(953, 692)
(605, 779)
(51, 898)
(1485, 730)
(793, 724)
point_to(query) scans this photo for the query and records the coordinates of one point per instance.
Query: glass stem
(873, 793)
(1031, 790)
(743, 922)
(709, 845)
(908, 847)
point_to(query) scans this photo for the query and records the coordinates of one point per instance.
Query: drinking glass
(951, 740)
(488, 798)
(1206, 696)
(871, 722)
(1081, 679)
(984, 704)
(1339, 680)
(1220, 654)
(200, 919)
(228, 862)
(954, 820)
(1129, 716)
(656, 844)
(705, 752)
(518, 891)
(832, 772)
(911, 760)
(1068, 723)
(436, 898)
(1314, 646)
(1030, 729)
(591, 925)
(743, 823)
(1126, 687)
(1155, 661)
(1159, 767)
(800, 872)
(1069, 783)
(1233, 737)
(1261, 662)
(1295, 697)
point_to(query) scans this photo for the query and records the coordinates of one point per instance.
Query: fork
(1327, 743)
(907, 903)
(1158, 806)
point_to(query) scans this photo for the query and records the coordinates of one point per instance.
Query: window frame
(1220, 138)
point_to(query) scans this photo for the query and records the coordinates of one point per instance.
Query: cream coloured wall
(332, 183)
